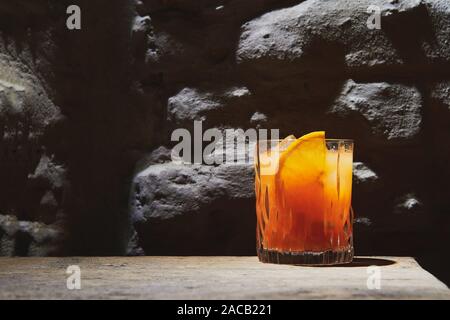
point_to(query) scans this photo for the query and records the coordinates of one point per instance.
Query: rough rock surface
(25, 238)
(362, 174)
(208, 106)
(393, 112)
(207, 206)
(86, 117)
(63, 96)
(32, 178)
(297, 39)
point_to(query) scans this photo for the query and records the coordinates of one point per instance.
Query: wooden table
(215, 278)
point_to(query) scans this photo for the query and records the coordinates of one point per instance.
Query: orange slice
(299, 182)
(284, 144)
(317, 136)
(304, 157)
(303, 161)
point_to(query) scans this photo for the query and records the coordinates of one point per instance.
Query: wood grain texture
(213, 278)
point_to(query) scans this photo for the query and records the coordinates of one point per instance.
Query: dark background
(84, 112)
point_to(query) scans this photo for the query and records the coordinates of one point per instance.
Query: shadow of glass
(358, 262)
(366, 262)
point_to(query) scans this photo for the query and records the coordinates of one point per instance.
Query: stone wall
(86, 118)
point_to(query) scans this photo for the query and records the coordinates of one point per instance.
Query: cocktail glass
(303, 200)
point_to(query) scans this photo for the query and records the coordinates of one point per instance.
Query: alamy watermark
(73, 22)
(74, 279)
(374, 20)
(216, 147)
(374, 278)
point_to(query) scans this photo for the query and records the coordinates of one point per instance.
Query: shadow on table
(363, 262)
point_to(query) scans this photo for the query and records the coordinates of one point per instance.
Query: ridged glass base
(330, 257)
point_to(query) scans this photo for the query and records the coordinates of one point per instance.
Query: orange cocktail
(303, 200)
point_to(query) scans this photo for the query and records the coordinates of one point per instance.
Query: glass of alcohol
(303, 200)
